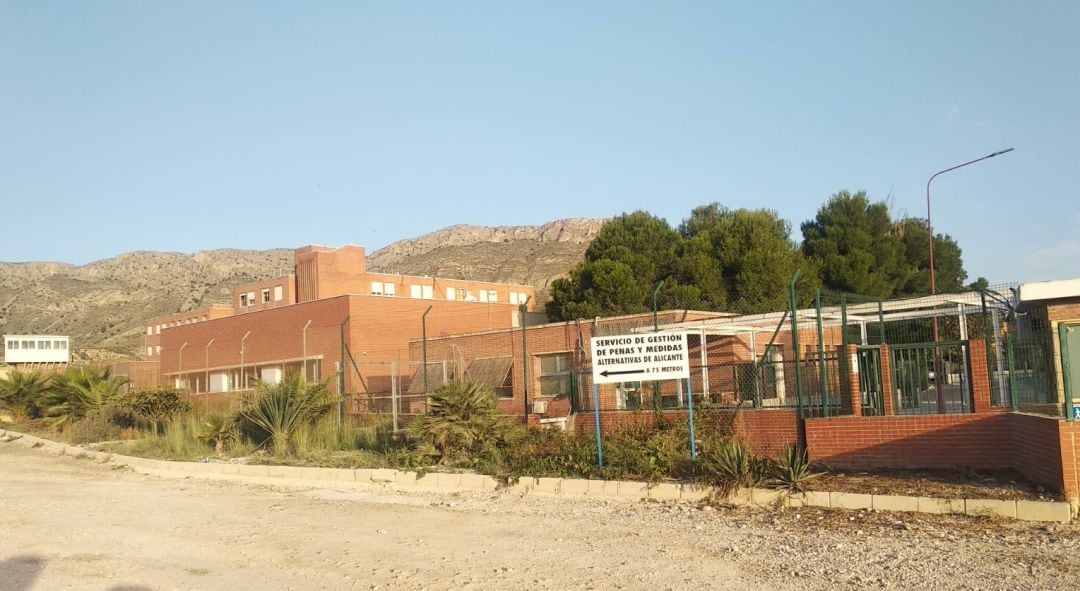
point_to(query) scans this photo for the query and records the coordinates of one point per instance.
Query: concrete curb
(1060, 512)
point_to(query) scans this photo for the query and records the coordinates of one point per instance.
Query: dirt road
(67, 523)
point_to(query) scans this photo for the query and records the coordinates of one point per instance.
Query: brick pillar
(1069, 437)
(853, 389)
(886, 381)
(980, 376)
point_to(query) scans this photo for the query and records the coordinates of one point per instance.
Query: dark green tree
(627, 258)
(856, 246)
(949, 274)
(753, 254)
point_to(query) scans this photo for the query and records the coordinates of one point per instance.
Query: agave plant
(79, 391)
(792, 470)
(283, 409)
(217, 431)
(732, 464)
(464, 423)
(23, 393)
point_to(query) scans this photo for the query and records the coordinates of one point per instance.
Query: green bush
(548, 452)
(651, 453)
(154, 406)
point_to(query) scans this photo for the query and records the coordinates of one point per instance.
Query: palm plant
(217, 431)
(281, 410)
(79, 391)
(23, 393)
(464, 424)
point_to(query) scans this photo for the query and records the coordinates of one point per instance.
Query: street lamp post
(243, 376)
(180, 365)
(206, 384)
(933, 280)
(303, 339)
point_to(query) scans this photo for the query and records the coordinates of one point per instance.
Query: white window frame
(266, 295)
(416, 291)
(278, 293)
(428, 292)
(451, 293)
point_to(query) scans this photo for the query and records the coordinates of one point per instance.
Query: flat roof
(1050, 290)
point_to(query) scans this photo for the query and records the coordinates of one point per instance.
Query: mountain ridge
(104, 304)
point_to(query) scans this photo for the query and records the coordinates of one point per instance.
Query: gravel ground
(67, 523)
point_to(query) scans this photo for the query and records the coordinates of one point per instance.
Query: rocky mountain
(533, 255)
(103, 305)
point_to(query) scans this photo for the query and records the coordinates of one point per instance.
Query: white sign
(645, 357)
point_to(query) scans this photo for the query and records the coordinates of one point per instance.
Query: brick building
(330, 310)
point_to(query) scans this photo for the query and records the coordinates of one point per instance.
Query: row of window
(152, 350)
(248, 300)
(38, 345)
(156, 328)
(427, 292)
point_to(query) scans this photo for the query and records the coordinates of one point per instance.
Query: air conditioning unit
(539, 407)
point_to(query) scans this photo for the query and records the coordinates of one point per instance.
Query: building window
(425, 292)
(266, 295)
(277, 293)
(28, 344)
(158, 329)
(556, 374)
(63, 345)
(451, 293)
(149, 330)
(387, 289)
(243, 300)
(150, 350)
(251, 298)
(518, 297)
(13, 344)
(45, 345)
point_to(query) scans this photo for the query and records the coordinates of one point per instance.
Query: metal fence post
(690, 406)
(596, 413)
(795, 346)
(881, 322)
(1010, 353)
(822, 369)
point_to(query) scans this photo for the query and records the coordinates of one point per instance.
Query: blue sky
(199, 125)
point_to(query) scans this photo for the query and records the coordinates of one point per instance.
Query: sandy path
(73, 524)
(68, 523)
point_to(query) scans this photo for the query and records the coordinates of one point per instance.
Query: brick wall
(929, 441)
(1044, 449)
(1035, 447)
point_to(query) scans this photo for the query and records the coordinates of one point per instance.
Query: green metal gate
(931, 378)
(871, 389)
(1070, 368)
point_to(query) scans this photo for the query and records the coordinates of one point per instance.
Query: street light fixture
(933, 282)
(929, 224)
